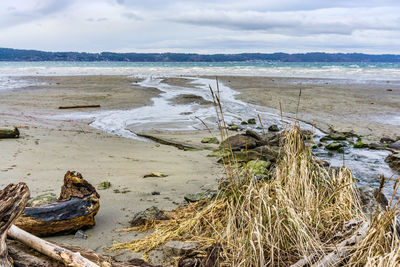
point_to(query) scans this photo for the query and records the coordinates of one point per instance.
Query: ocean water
(350, 70)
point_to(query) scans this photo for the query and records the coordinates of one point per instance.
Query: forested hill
(8, 54)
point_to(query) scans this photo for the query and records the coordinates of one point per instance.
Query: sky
(206, 26)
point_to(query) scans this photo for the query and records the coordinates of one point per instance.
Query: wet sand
(370, 109)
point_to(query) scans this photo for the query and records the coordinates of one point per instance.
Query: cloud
(321, 21)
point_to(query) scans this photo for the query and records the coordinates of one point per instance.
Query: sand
(370, 109)
(48, 148)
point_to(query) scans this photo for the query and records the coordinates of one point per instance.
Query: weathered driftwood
(25, 256)
(177, 144)
(335, 257)
(9, 133)
(13, 199)
(79, 106)
(75, 209)
(68, 257)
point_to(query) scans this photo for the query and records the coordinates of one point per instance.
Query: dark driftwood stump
(13, 199)
(9, 133)
(75, 209)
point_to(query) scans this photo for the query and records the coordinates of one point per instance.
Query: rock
(268, 153)
(251, 121)
(273, 128)
(233, 127)
(240, 141)
(80, 234)
(210, 140)
(148, 215)
(244, 123)
(387, 140)
(375, 146)
(104, 185)
(179, 248)
(395, 145)
(258, 167)
(155, 174)
(273, 138)
(369, 201)
(155, 193)
(394, 161)
(190, 99)
(243, 156)
(253, 134)
(334, 146)
(189, 262)
(337, 136)
(41, 200)
(200, 196)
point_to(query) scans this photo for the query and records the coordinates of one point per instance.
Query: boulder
(200, 196)
(251, 121)
(148, 215)
(273, 128)
(179, 248)
(268, 153)
(387, 140)
(375, 146)
(233, 127)
(334, 146)
(395, 145)
(394, 161)
(240, 141)
(253, 134)
(370, 202)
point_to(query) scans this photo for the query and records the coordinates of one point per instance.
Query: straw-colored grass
(300, 214)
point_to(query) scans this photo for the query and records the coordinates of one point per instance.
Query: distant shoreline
(9, 54)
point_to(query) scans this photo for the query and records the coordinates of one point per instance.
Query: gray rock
(273, 128)
(375, 146)
(395, 145)
(179, 248)
(394, 161)
(369, 201)
(240, 141)
(200, 196)
(41, 200)
(387, 140)
(251, 121)
(80, 234)
(148, 215)
(253, 134)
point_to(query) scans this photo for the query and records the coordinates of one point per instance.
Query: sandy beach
(49, 147)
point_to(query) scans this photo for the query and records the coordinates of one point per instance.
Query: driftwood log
(81, 106)
(75, 209)
(13, 199)
(9, 133)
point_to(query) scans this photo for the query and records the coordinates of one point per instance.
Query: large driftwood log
(68, 257)
(75, 209)
(9, 133)
(13, 199)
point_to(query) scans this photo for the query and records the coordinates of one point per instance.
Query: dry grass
(302, 212)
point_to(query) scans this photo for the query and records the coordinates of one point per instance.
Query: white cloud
(208, 26)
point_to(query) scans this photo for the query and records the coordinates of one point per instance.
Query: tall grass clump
(301, 214)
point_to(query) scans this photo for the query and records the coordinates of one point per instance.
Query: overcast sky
(206, 26)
